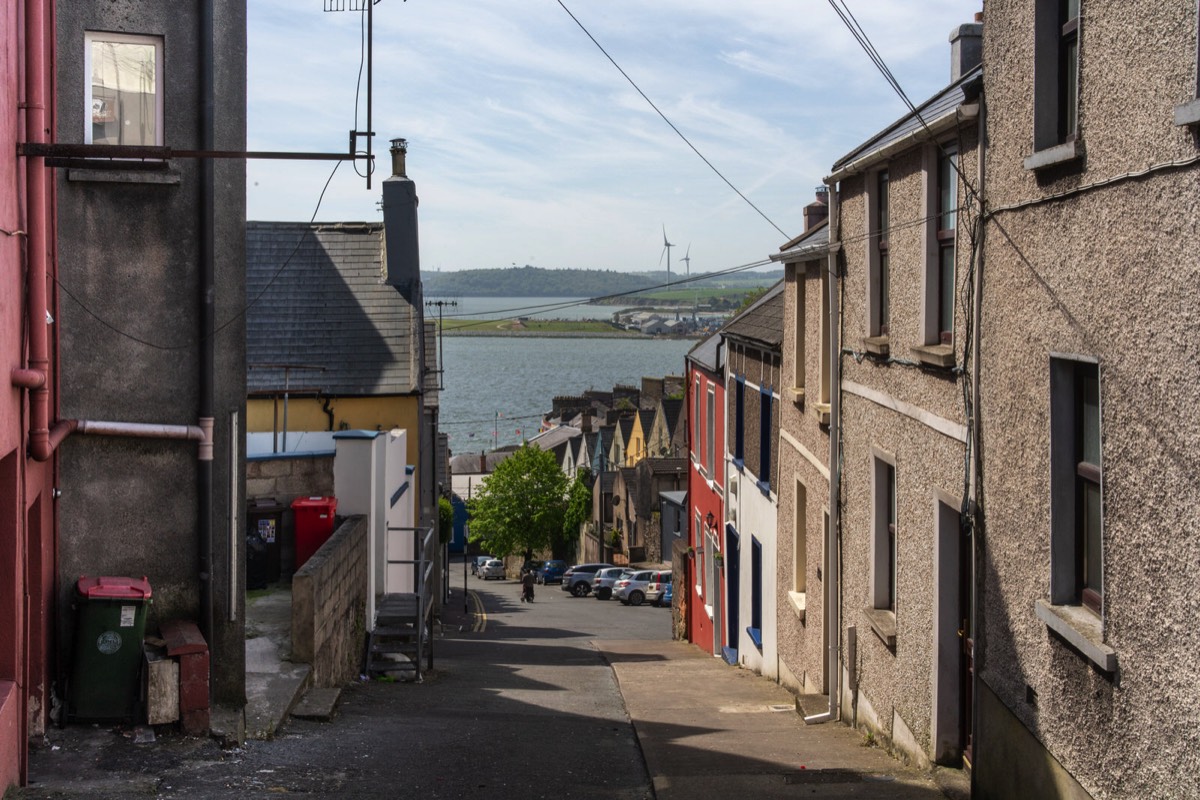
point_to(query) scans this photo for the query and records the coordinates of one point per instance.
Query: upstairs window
(739, 421)
(1056, 73)
(947, 213)
(123, 101)
(883, 549)
(883, 290)
(1076, 513)
(764, 441)
(710, 437)
(798, 376)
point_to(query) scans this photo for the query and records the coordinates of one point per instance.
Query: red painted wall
(702, 498)
(27, 525)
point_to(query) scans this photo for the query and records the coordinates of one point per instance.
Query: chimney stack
(399, 149)
(966, 47)
(818, 210)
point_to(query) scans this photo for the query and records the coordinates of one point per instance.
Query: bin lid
(112, 587)
(315, 502)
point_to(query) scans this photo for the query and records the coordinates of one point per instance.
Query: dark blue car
(551, 572)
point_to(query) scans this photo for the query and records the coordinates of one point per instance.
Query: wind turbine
(687, 263)
(667, 251)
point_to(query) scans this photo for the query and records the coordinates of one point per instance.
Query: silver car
(605, 578)
(492, 569)
(647, 584)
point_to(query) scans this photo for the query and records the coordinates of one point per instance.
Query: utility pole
(441, 350)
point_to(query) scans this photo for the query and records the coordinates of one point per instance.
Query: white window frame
(90, 37)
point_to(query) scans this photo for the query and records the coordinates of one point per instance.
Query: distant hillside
(539, 282)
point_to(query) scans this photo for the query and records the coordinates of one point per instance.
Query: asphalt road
(519, 704)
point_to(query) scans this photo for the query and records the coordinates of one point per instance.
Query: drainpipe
(204, 473)
(35, 377)
(832, 540)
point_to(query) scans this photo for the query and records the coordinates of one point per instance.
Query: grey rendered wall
(128, 252)
(800, 641)
(896, 686)
(1109, 273)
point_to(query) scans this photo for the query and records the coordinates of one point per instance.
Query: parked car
(578, 579)
(493, 568)
(602, 586)
(667, 598)
(551, 571)
(647, 584)
(479, 562)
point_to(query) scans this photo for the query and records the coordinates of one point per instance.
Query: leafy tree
(749, 299)
(521, 506)
(445, 520)
(579, 505)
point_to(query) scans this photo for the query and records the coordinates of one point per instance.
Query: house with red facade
(28, 472)
(702, 591)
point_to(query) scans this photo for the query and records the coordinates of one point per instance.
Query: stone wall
(329, 596)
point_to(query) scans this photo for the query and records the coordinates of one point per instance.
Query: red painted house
(706, 477)
(28, 470)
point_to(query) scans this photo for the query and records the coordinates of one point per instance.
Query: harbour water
(496, 389)
(572, 308)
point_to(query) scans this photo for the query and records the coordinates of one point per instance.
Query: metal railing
(424, 551)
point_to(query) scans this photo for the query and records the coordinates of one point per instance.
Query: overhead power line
(678, 132)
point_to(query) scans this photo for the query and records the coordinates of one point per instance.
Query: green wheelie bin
(110, 623)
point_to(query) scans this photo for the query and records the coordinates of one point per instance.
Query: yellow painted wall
(349, 413)
(635, 448)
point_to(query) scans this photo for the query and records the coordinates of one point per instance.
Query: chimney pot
(399, 149)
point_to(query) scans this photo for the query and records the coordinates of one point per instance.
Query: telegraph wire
(668, 121)
(241, 312)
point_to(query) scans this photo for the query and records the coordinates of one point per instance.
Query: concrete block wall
(288, 477)
(329, 597)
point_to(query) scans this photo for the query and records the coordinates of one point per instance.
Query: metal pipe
(139, 430)
(832, 540)
(42, 441)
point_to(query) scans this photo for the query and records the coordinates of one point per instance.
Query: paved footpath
(708, 730)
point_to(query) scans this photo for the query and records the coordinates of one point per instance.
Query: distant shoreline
(566, 335)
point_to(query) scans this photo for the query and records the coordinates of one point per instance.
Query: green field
(529, 326)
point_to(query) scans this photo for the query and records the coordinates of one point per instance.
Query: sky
(528, 146)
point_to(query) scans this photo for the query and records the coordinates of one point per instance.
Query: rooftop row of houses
(938, 476)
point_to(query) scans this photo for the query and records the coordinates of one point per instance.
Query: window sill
(935, 355)
(1081, 629)
(796, 394)
(755, 635)
(798, 601)
(1053, 156)
(739, 465)
(169, 177)
(709, 610)
(764, 487)
(878, 345)
(1188, 113)
(883, 622)
(823, 411)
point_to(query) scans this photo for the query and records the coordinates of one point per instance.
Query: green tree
(521, 506)
(579, 506)
(445, 520)
(749, 299)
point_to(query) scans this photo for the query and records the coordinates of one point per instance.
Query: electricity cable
(678, 132)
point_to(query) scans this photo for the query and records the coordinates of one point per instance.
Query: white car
(492, 569)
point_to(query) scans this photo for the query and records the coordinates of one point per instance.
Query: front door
(732, 593)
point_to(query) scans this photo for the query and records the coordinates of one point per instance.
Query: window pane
(883, 203)
(1089, 410)
(948, 186)
(884, 295)
(946, 291)
(1070, 85)
(1093, 577)
(124, 109)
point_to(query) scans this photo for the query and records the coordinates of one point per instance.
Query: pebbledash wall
(1106, 274)
(329, 598)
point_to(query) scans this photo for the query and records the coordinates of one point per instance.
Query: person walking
(527, 586)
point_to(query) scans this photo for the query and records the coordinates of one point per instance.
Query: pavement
(705, 729)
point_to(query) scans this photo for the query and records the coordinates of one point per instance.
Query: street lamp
(710, 519)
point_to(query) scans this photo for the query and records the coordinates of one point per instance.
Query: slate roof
(671, 406)
(468, 463)
(810, 243)
(706, 354)
(647, 418)
(660, 466)
(935, 108)
(551, 439)
(762, 322)
(317, 298)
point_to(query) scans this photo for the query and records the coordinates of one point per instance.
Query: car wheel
(636, 598)
(603, 594)
(581, 589)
